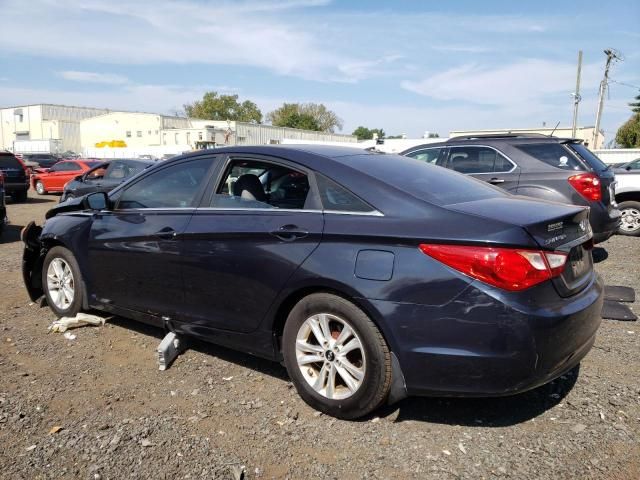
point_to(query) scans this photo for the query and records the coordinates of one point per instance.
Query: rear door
(484, 163)
(261, 221)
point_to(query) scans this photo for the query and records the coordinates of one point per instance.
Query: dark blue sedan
(371, 276)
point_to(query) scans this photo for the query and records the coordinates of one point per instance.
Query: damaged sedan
(370, 276)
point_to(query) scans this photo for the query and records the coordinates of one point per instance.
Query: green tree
(364, 133)
(223, 107)
(635, 106)
(628, 135)
(311, 116)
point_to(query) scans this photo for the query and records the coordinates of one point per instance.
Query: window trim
(449, 147)
(443, 148)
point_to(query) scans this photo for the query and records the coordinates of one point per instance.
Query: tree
(628, 135)
(635, 106)
(305, 115)
(364, 133)
(223, 107)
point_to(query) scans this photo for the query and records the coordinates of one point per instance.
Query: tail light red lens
(588, 185)
(506, 268)
(1, 179)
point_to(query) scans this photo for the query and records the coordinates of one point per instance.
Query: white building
(44, 122)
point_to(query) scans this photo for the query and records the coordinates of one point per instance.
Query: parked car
(41, 160)
(628, 198)
(549, 168)
(633, 165)
(16, 178)
(103, 177)
(54, 179)
(371, 276)
(3, 208)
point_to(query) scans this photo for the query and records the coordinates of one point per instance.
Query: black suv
(550, 168)
(16, 179)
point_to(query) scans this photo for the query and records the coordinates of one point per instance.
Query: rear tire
(630, 221)
(40, 188)
(62, 282)
(336, 357)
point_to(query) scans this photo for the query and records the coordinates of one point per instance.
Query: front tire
(630, 220)
(40, 188)
(62, 282)
(336, 357)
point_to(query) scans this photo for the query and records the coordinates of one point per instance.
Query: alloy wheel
(60, 283)
(630, 221)
(330, 356)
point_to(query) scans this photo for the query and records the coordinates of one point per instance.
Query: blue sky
(405, 66)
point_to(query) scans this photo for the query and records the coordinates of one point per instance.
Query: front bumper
(491, 343)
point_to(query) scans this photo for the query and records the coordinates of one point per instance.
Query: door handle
(495, 180)
(166, 233)
(289, 233)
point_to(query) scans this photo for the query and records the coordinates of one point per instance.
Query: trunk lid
(554, 226)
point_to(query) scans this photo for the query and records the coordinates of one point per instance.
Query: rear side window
(9, 161)
(429, 155)
(553, 154)
(337, 198)
(588, 156)
(471, 160)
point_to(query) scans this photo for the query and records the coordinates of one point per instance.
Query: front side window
(337, 198)
(429, 155)
(256, 184)
(176, 186)
(472, 160)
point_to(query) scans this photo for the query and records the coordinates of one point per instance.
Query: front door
(262, 221)
(134, 249)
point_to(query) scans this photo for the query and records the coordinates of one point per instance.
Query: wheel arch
(628, 197)
(286, 304)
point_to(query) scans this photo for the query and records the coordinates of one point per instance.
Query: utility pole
(576, 96)
(611, 55)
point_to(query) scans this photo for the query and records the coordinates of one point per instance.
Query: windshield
(588, 156)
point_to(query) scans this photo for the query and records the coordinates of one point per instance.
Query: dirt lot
(97, 406)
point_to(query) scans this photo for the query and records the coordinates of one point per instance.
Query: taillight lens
(588, 185)
(1, 178)
(507, 268)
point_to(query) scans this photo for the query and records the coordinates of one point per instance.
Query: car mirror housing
(96, 201)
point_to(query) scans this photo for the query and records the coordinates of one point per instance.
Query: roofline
(518, 130)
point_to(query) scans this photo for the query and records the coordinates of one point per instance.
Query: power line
(625, 84)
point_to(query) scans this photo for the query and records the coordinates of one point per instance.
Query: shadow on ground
(599, 254)
(10, 234)
(470, 412)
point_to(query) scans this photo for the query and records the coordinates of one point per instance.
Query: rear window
(422, 180)
(9, 161)
(553, 154)
(589, 157)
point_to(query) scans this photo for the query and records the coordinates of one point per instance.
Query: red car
(53, 179)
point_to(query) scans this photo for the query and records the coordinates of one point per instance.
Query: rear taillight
(507, 268)
(588, 185)
(1, 179)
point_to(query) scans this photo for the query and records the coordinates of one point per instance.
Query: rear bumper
(604, 222)
(483, 345)
(15, 187)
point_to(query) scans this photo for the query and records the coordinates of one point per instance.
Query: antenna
(554, 129)
(612, 55)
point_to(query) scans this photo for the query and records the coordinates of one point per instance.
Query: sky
(404, 66)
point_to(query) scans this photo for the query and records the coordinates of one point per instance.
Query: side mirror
(80, 178)
(95, 201)
(628, 167)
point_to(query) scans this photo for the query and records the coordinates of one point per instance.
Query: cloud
(515, 83)
(93, 77)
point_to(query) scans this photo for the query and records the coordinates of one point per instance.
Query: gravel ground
(97, 407)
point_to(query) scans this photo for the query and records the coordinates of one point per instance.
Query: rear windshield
(589, 157)
(423, 180)
(9, 161)
(553, 154)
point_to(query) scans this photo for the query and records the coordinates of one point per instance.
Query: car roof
(495, 140)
